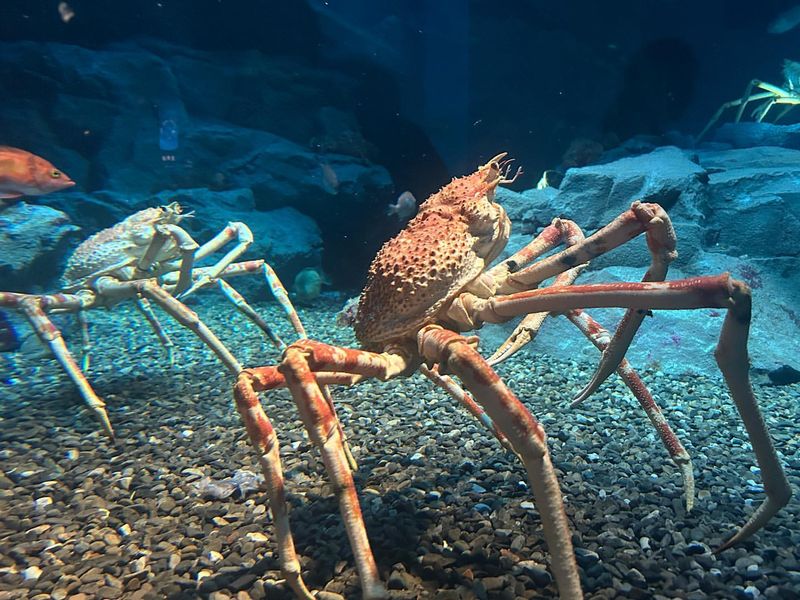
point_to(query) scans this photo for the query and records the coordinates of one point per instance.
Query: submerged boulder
(34, 242)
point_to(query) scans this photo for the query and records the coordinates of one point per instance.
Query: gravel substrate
(448, 512)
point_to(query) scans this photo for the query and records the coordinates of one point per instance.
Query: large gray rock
(749, 134)
(598, 193)
(33, 244)
(753, 203)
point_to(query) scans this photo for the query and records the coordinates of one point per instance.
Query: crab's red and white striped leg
(642, 217)
(458, 393)
(454, 354)
(324, 431)
(34, 307)
(307, 366)
(263, 439)
(558, 232)
(600, 337)
(719, 291)
(143, 304)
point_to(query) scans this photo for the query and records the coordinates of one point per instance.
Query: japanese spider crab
(787, 95)
(431, 282)
(148, 257)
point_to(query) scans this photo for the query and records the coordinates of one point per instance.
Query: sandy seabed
(447, 509)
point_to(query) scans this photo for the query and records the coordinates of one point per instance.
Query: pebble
(40, 504)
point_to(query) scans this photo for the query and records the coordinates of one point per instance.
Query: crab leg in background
(34, 308)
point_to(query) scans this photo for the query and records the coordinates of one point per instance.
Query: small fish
(66, 12)
(550, 178)
(329, 178)
(308, 284)
(25, 174)
(404, 208)
(785, 21)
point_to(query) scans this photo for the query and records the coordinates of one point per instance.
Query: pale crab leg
(143, 304)
(111, 288)
(86, 340)
(246, 268)
(741, 102)
(33, 307)
(788, 101)
(600, 337)
(770, 91)
(720, 291)
(233, 231)
(453, 353)
(462, 397)
(243, 307)
(186, 246)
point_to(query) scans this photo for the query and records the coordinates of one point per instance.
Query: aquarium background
(309, 120)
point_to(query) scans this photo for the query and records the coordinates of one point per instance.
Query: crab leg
(641, 218)
(600, 337)
(299, 372)
(144, 307)
(233, 231)
(33, 307)
(246, 268)
(265, 442)
(558, 232)
(109, 287)
(453, 353)
(719, 291)
(459, 395)
(186, 245)
(243, 307)
(86, 340)
(323, 429)
(741, 102)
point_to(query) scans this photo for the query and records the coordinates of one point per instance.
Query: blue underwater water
(189, 190)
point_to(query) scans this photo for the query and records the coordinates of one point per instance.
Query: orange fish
(25, 174)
